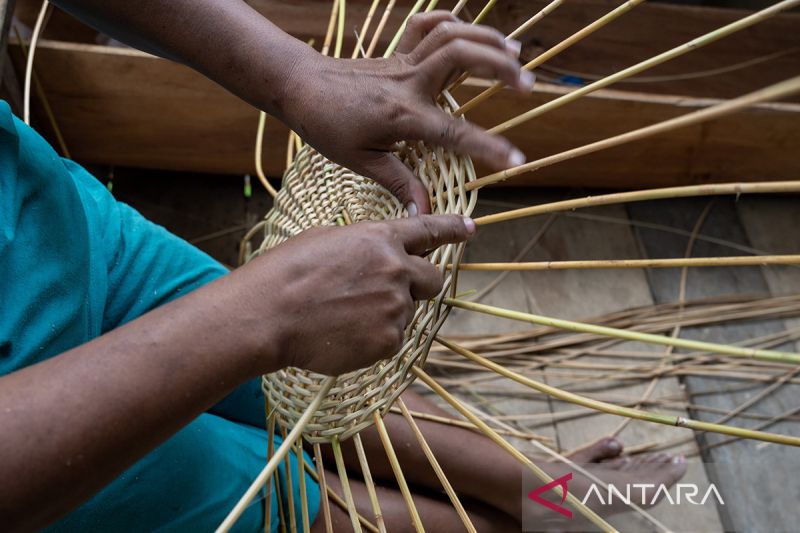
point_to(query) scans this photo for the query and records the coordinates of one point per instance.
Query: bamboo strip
(665, 361)
(710, 189)
(489, 287)
(426, 449)
(466, 425)
(398, 472)
(337, 51)
(323, 489)
(396, 39)
(528, 24)
(379, 30)
(48, 110)
(458, 7)
(289, 486)
(38, 28)
(649, 63)
(552, 52)
(340, 502)
(767, 355)
(262, 120)
(326, 44)
(345, 481)
(773, 92)
(270, 451)
(597, 405)
(365, 28)
(373, 495)
(485, 11)
(273, 462)
(637, 263)
(497, 439)
(301, 476)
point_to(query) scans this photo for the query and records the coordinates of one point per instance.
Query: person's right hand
(340, 298)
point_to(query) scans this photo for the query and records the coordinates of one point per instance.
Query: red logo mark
(560, 482)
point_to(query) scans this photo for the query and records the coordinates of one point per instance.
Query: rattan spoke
(276, 458)
(398, 472)
(748, 260)
(555, 50)
(605, 407)
(773, 92)
(345, 481)
(519, 456)
(323, 488)
(735, 351)
(649, 63)
(448, 488)
(373, 495)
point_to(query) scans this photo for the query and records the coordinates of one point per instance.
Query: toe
(605, 448)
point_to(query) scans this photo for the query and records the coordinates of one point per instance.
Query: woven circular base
(317, 192)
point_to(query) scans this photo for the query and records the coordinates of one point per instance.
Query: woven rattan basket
(317, 192)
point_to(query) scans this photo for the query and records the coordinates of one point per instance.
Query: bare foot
(641, 479)
(641, 476)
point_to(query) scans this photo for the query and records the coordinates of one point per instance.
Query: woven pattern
(317, 192)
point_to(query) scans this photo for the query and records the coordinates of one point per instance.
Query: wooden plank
(581, 294)
(766, 221)
(127, 108)
(753, 477)
(492, 242)
(652, 28)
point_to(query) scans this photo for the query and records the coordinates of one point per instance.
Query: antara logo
(560, 482)
(684, 493)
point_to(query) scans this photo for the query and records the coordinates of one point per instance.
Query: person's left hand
(354, 111)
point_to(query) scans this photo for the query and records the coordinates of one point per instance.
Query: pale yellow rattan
(317, 192)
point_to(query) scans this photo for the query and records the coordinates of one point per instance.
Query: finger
(437, 127)
(427, 232)
(482, 61)
(426, 279)
(418, 27)
(447, 32)
(390, 172)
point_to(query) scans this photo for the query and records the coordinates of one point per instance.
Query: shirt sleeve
(147, 266)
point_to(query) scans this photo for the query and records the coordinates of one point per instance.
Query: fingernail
(411, 207)
(527, 79)
(614, 446)
(516, 158)
(470, 225)
(514, 46)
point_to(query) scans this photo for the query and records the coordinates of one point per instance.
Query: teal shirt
(74, 264)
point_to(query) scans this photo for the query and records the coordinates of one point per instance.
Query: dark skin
(352, 111)
(72, 423)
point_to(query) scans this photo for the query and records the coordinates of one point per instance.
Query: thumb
(390, 172)
(422, 234)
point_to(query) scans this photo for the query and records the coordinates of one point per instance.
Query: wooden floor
(761, 485)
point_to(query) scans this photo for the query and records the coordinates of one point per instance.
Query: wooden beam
(653, 28)
(124, 107)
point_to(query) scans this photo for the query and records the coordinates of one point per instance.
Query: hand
(355, 110)
(343, 296)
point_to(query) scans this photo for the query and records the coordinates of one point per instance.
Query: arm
(352, 111)
(71, 424)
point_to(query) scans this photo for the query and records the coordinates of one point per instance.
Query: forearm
(73, 423)
(226, 40)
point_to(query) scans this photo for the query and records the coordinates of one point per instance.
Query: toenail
(678, 460)
(613, 445)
